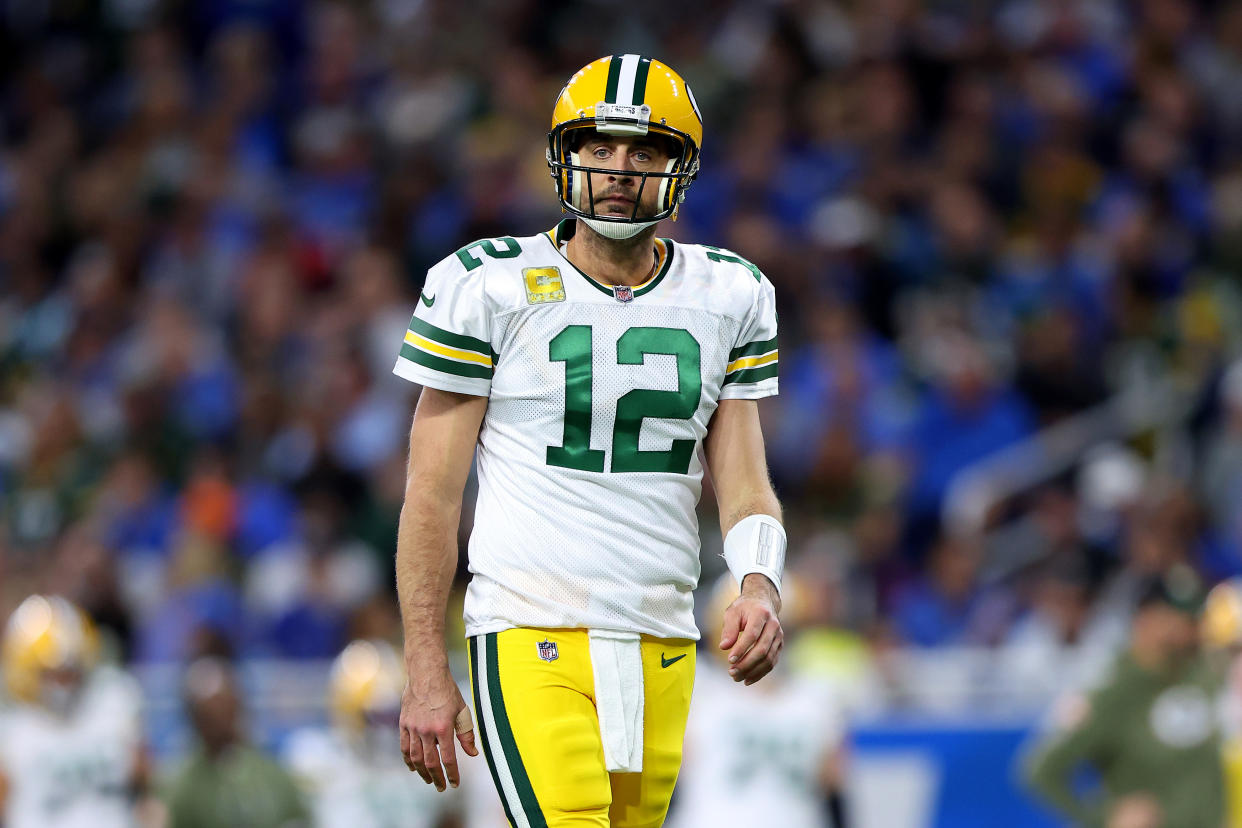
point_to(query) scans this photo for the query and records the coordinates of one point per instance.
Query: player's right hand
(432, 711)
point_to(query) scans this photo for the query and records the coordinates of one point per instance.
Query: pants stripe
(485, 726)
(504, 735)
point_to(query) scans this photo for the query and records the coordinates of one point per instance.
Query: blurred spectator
(1150, 731)
(949, 604)
(227, 782)
(1060, 645)
(820, 623)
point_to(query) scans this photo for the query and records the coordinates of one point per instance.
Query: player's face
(59, 689)
(616, 192)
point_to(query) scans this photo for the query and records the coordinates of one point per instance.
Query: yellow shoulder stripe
(751, 362)
(445, 351)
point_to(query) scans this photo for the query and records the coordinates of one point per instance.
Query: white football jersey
(350, 787)
(753, 754)
(599, 398)
(73, 771)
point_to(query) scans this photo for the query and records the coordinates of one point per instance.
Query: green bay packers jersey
(599, 398)
(73, 770)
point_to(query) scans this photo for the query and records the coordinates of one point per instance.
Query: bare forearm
(426, 561)
(759, 502)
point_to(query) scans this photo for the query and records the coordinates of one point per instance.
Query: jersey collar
(564, 231)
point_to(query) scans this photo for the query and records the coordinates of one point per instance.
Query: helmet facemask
(573, 178)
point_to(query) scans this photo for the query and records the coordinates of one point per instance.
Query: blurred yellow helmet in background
(45, 633)
(365, 685)
(628, 95)
(1221, 622)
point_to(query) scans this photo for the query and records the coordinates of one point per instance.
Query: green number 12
(572, 346)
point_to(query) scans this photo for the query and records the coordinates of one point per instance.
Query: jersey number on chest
(572, 346)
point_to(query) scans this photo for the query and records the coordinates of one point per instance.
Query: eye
(642, 155)
(600, 152)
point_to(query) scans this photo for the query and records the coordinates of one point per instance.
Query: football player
(348, 771)
(71, 747)
(773, 755)
(587, 366)
(1221, 631)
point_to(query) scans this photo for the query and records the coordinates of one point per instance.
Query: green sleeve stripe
(753, 349)
(504, 733)
(751, 375)
(468, 343)
(444, 366)
(614, 78)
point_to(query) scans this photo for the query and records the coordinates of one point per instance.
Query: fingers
(405, 746)
(752, 628)
(412, 753)
(464, 726)
(431, 759)
(730, 628)
(765, 665)
(757, 661)
(448, 755)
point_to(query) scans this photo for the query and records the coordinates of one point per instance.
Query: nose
(623, 170)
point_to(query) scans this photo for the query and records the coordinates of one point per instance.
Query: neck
(612, 261)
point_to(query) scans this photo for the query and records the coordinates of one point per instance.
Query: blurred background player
(1150, 731)
(750, 755)
(349, 771)
(71, 746)
(228, 781)
(1222, 635)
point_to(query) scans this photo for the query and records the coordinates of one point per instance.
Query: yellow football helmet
(365, 685)
(1221, 622)
(625, 95)
(45, 633)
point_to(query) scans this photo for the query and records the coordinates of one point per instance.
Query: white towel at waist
(617, 660)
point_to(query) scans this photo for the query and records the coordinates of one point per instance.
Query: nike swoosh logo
(427, 300)
(665, 662)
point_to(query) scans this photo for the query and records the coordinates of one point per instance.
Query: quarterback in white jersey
(71, 743)
(566, 367)
(587, 365)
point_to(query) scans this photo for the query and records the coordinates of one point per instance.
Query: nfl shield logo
(547, 650)
(623, 293)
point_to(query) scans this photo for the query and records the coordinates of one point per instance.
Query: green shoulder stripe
(445, 366)
(468, 343)
(751, 375)
(753, 349)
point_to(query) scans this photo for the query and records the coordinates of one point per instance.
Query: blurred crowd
(982, 220)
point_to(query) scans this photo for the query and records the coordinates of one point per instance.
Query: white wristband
(756, 544)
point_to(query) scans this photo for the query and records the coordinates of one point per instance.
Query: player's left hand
(751, 632)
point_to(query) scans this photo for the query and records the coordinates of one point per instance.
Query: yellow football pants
(540, 731)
